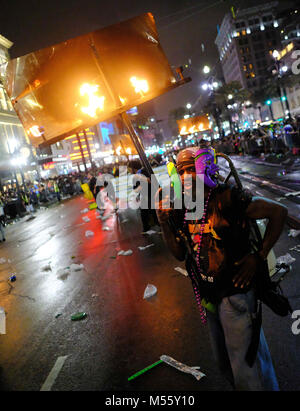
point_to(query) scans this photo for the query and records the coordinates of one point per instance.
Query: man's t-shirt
(225, 240)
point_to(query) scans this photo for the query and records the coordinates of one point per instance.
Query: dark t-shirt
(225, 240)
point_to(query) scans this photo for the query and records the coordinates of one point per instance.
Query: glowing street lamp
(206, 69)
(188, 106)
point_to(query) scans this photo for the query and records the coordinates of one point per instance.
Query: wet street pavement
(122, 332)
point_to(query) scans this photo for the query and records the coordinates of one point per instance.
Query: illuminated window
(3, 102)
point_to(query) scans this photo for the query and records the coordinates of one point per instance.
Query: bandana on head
(186, 157)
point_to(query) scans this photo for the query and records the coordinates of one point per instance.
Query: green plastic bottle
(78, 316)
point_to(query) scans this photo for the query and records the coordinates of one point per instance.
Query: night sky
(183, 26)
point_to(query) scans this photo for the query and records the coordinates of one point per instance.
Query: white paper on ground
(286, 259)
(181, 271)
(149, 232)
(142, 248)
(2, 321)
(123, 252)
(86, 219)
(85, 210)
(182, 367)
(150, 291)
(89, 233)
(76, 267)
(293, 233)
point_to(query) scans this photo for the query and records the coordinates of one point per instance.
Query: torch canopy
(62, 89)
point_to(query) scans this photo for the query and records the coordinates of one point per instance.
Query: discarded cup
(150, 291)
(89, 233)
(78, 316)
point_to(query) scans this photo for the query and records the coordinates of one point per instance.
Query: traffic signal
(283, 98)
(269, 102)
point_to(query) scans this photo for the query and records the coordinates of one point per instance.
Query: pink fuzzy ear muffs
(206, 167)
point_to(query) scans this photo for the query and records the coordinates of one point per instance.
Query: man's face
(187, 174)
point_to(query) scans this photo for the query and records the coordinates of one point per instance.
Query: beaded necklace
(193, 277)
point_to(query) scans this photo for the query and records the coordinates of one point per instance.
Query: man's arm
(173, 243)
(261, 208)
(276, 214)
(163, 214)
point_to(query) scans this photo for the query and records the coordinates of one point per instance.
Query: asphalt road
(122, 332)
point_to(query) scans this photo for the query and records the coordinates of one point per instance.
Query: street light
(188, 106)
(230, 96)
(206, 69)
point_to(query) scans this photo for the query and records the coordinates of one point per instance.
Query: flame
(183, 130)
(128, 150)
(200, 126)
(118, 150)
(140, 86)
(35, 131)
(123, 100)
(95, 102)
(192, 129)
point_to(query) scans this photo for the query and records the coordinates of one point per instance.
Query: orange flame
(140, 86)
(95, 102)
(35, 131)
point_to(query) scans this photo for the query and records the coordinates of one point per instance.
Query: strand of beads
(196, 289)
(201, 229)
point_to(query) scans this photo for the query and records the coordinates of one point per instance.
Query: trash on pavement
(293, 233)
(89, 233)
(182, 367)
(123, 252)
(181, 271)
(144, 370)
(149, 232)
(105, 228)
(296, 248)
(63, 273)
(142, 248)
(76, 267)
(58, 315)
(95, 295)
(293, 194)
(285, 259)
(2, 321)
(12, 278)
(47, 267)
(86, 219)
(150, 291)
(85, 210)
(78, 316)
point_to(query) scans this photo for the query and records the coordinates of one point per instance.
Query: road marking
(54, 373)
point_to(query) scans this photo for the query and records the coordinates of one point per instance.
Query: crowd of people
(275, 139)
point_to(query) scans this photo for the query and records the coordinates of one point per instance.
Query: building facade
(16, 155)
(246, 41)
